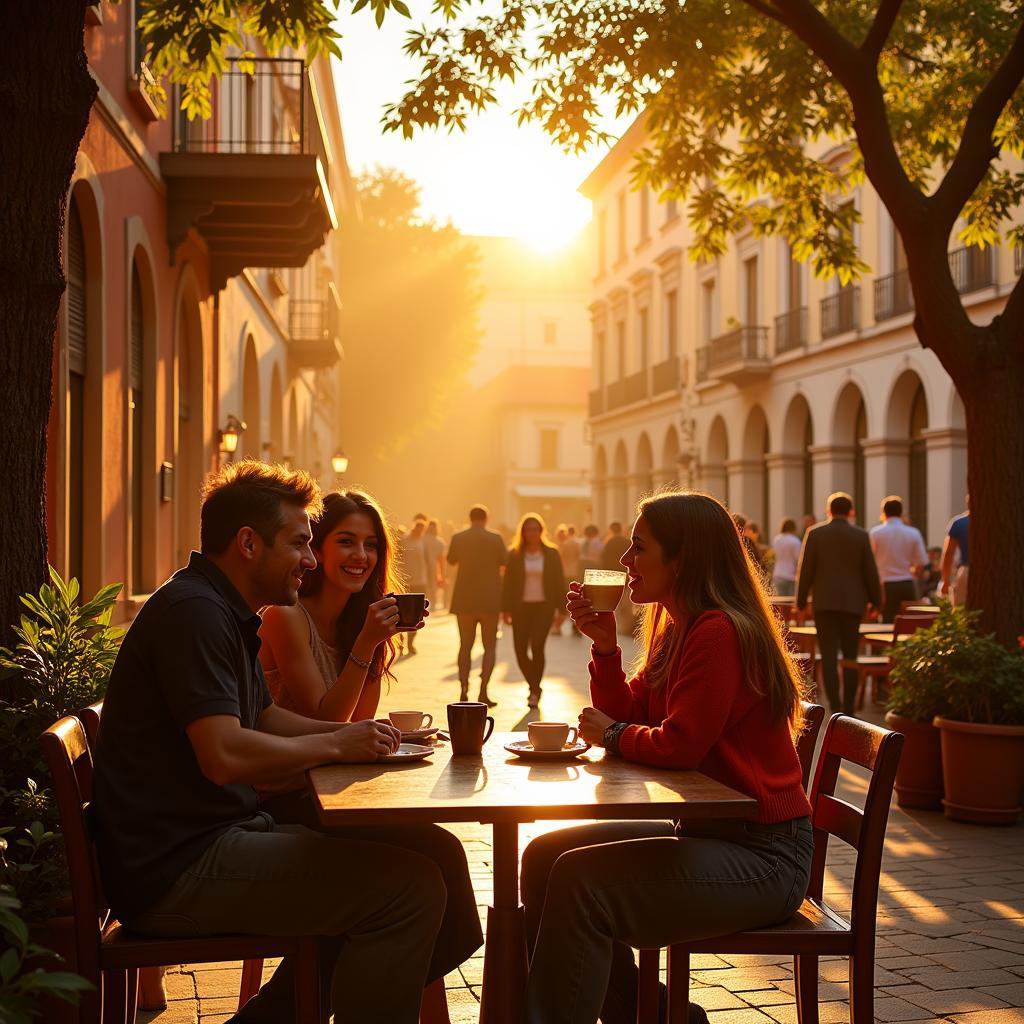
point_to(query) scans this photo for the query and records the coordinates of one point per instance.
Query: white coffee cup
(410, 721)
(551, 735)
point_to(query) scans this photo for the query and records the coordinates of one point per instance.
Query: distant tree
(927, 95)
(46, 94)
(410, 294)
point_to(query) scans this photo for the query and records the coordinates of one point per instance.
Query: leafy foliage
(950, 669)
(737, 100)
(61, 664)
(409, 315)
(22, 985)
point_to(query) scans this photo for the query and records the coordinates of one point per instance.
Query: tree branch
(977, 150)
(808, 24)
(888, 11)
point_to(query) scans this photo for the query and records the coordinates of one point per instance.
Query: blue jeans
(593, 892)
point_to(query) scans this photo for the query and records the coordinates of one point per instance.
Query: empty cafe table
(501, 790)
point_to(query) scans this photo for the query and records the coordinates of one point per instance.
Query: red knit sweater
(706, 717)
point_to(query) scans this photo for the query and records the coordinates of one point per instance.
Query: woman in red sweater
(716, 692)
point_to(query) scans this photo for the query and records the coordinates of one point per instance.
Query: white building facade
(753, 380)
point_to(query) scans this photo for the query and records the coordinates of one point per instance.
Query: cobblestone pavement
(951, 908)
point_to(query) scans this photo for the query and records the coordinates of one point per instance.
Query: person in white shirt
(899, 554)
(786, 545)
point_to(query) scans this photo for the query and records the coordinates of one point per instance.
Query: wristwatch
(612, 735)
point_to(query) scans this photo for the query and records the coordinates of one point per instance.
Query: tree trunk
(46, 93)
(993, 400)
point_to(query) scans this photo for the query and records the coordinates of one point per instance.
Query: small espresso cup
(410, 610)
(467, 722)
(551, 735)
(410, 721)
(603, 588)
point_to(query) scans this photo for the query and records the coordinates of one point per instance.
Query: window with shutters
(76, 352)
(136, 412)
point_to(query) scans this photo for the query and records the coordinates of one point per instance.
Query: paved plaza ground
(951, 909)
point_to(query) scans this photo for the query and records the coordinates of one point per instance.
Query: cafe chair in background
(104, 954)
(816, 929)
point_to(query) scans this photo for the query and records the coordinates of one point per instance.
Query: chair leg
(133, 995)
(252, 976)
(862, 989)
(308, 1005)
(805, 977)
(115, 997)
(647, 987)
(678, 985)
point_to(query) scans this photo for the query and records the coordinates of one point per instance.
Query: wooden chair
(104, 954)
(816, 929)
(814, 715)
(875, 667)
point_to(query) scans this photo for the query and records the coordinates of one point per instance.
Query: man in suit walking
(480, 555)
(837, 569)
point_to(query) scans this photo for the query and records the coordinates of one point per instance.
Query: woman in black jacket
(533, 588)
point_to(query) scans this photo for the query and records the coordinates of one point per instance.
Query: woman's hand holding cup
(381, 622)
(599, 626)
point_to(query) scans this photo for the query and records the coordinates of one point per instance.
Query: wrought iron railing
(271, 110)
(615, 396)
(743, 344)
(665, 376)
(972, 268)
(893, 295)
(310, 320)
(636, 387)
(840, 312)
(790, 330)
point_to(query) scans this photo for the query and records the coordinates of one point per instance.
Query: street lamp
(339, 463)
(228, 437)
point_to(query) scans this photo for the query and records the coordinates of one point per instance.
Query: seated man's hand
(365, 741)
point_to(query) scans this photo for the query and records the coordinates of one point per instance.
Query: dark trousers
(895, 592)
(593, 893)
(460, 935)
(531, 624)
(468, 621)
(838, 631)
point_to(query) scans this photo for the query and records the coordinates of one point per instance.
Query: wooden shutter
(76, 293)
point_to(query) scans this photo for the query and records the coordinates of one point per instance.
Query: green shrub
(950, 669)
(61, 664)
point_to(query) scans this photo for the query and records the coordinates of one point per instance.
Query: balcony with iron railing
(740, 356)
(972, 268)
(252, 178)
(313, 328)
(840, 313)
(626, 391)
(791, 331)
(665, 376)
(596, 402)
(893, 295)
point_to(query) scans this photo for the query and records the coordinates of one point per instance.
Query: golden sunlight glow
(552, 228)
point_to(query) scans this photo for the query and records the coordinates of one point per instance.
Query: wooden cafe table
(502, 790)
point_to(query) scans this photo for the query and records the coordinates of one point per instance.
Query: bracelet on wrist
(358, 661)
(612, 735)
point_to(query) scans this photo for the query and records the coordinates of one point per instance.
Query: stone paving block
(980, 960)
(224, 1004)
(891, 1008)
(937, 978)
(215, 984)
(947, 1001)
(1012, 994)
(828, 991)
(180, 986)
(181, 1012)
(743, 979)
(901, 961)
(712, 997)
(828, 1013)
(927, 946)
(747, 1015)
(1012, 1015)
(755, 959)
(767, 997)
(839, 971)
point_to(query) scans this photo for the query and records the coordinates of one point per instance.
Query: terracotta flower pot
(919, 776)
(983, 770)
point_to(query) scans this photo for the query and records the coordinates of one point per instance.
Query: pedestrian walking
(955, 553)
(413, 561)
(434, 550)
(837, 570)
(900, 555)
(479, 555)
(786, 546)
(533, 588)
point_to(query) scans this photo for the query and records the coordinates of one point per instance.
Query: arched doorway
(715, 477)
(850, 428)
(189, 456)
(643, 478)
(619, 507)
(77, 362)
(276, 439)
(670, 465)
(251, 441)
(291, 452)
(754, 469)
(599, 487)
(917, 471)
(797, 441)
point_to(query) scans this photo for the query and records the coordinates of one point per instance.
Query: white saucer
(524, 749)
(420, 734)
(408, 752)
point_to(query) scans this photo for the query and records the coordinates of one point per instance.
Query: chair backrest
(878, 750)
(814, 715)
(908, 622)
(69, 758)
(90, 719)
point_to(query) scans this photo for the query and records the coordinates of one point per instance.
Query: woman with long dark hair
(325, 658)
(715, 690)
(531, 591)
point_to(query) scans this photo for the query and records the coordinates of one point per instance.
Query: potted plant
(916, 695)
(981, 726)
(61, 664)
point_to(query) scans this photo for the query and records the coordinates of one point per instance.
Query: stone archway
(618, 482)
(714, 477)
(251, 442)
(748, 477)
(843, 462)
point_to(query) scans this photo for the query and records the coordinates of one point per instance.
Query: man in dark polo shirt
(189, 728)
